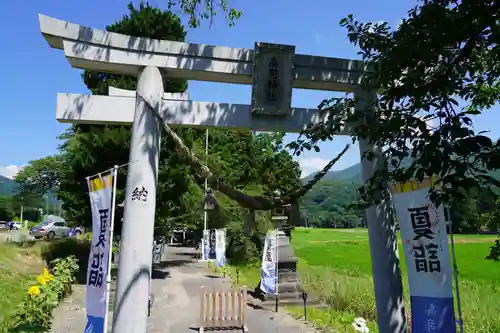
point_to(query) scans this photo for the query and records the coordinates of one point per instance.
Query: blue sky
(33, 73)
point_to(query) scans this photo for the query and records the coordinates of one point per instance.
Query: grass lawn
(18, 268)
(335, 265)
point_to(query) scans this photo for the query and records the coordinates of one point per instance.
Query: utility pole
(22, 211)
(46, 206)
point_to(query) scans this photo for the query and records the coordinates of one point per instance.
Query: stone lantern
(209, 202)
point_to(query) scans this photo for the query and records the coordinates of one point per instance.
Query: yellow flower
(34, 291)
(47, 276)
(41, 280)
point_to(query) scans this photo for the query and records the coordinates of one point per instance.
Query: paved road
(14, 235)
(176, 289)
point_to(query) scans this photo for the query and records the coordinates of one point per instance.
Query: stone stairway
(290, 290)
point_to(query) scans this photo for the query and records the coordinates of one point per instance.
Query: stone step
(291, 301)
(289, 287)
(288, 295)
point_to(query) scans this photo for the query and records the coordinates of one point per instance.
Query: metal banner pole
(111, 231)
(455, 269)
(205, 214)
(276, 268)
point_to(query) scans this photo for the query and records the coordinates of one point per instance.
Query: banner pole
(455, 272)
(276, 274)
(110, 255)
(205, 213)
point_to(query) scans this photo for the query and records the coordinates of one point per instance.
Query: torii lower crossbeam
(119, 110)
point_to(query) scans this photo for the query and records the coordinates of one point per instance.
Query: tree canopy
(434, 72)
(200, 10)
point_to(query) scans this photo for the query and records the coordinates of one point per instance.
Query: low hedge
(79, 248)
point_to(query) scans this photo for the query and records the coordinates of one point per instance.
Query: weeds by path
(18, 268)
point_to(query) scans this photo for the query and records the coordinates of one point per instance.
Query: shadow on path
(191, 255)
(173, 263)
(159, 274)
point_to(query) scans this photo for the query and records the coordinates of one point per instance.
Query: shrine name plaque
(272, 79)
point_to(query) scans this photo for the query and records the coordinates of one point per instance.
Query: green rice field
(335, 265)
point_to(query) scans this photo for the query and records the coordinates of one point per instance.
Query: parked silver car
(50, 230)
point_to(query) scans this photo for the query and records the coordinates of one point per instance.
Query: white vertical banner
(97, 291)
(211, 244)
(206, 244)
(425, 241)
(220, 247)
(268, 280)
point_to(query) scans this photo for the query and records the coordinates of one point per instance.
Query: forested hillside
(7, 186)
(331, 203)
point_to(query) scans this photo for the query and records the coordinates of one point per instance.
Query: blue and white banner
(425, 241)
(220, 247)
(101, 194)
(268, 280)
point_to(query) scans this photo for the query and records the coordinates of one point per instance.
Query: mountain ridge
(7, 186)
(352, 173)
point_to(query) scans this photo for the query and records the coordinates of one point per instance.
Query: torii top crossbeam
(105, 51)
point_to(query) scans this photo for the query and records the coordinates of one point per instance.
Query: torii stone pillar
(133, 284)
(272, 70)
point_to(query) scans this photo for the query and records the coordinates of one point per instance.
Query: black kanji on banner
(421, 223)
(103, 216)
(96, 270)
(426, 258)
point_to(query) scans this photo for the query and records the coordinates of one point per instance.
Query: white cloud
(310, 165)
(10, 171)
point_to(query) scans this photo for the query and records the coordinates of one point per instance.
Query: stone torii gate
(272, 70)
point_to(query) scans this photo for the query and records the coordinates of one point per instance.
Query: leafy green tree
(6, 211)
(90, 149)
(241, 158)
(491, 219)
(438, 67)
(199, 10)
(40, 176)
(424, 66)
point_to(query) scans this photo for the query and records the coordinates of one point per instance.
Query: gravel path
(176, 290)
